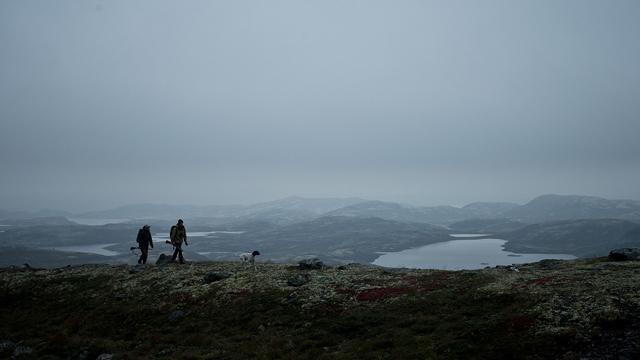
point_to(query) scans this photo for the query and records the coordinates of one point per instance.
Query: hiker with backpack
(144, 242)
(178, 235)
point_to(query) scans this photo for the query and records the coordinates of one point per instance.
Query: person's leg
(145, 253)
(175, 253)
(179, 251)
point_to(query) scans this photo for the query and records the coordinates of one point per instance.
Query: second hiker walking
(178, 235)
(144, 242)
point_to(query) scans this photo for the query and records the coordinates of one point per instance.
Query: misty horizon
(104, 104)
(291, 197)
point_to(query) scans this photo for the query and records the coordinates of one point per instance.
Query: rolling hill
(572, 207)
(586, 237)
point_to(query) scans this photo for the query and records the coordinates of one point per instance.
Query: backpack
(173, 234)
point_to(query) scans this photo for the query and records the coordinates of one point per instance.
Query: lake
(461, 254)
(97, 222)
(161, 237)
(158, 238)
(98, 249)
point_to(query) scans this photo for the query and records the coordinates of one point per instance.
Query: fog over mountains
(557, 207)
(336, 229)
(292, 209)
(441, 152)
(289, 209)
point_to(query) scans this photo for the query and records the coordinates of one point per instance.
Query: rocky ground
(583, 309)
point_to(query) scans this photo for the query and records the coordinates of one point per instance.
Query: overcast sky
(105, 103)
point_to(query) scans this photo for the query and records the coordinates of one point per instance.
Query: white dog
(249, 258)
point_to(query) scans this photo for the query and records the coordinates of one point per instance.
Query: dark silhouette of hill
(490, 210)
(282, 211)
(486, 226)
(566, 207)
(586, 237)
(338, 238)
(404, 213)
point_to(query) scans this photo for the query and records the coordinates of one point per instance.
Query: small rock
(7, 345)
(105, 357)
(167, 351)
(121, 296)
(83, 355)
(21, 350)
(214, 276)
(299, 280)
(290, 298)
(164, 260)
(310, 264)
(508, 267)
(624, 254)
(176, 315)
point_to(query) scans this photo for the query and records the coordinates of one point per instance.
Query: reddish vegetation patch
(542, 281)
(380, 293)
(433, 282)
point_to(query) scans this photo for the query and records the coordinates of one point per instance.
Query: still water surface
(99, 249)
(461, 254)
(97, 222)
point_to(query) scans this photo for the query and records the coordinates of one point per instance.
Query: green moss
(488, 314)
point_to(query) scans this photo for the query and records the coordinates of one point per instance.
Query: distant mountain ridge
(566, 207)
(490, 209)
(437, 215)
(541, 209)
(402, 213)
(290, 209)
(486, 226)
(295, 209)
(42, 213)
(352, 229)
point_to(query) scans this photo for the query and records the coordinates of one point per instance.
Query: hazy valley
(335, 230)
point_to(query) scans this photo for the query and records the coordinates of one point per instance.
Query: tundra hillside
(582, 309)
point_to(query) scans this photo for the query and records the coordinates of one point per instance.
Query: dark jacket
(144, 238)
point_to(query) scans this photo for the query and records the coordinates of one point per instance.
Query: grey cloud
(431, 102)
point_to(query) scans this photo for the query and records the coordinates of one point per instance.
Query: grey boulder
(164, 260)
(21, 351)
(624, 254)
(7, 345)
(310, 264)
